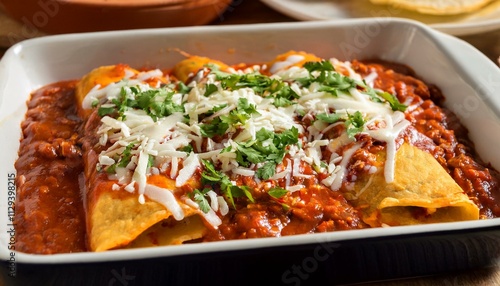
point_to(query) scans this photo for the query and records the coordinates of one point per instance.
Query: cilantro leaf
(209, 89)
(214, 127)
(243, 191)
(377, 96)
(354, 123)
(328, 79)
(267, 170)
(200, 197)
(219, 125)
(323, 65)
(210, 176)
(188, 149)
(183, 88)
(277, 192)
(245, 106)
(328, 118)
(123, 159)
(261, 84)
(249, 154)
(156, 103)
(269, 148)
(285, 96)
(151, 161)
(241, 114)
(393, 101)
(103, 111)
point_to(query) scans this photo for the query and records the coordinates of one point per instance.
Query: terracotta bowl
(69, 16)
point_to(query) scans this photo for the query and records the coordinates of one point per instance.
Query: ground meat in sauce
(453, 149)
(49, 211)
(312, 209)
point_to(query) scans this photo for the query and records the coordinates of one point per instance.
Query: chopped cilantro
(256, 81)
(151, 161)
(328, 118)
(215, 109)
(123, 159)
(322, 66)
(220, 124)
(261, 84)
(200, 198)
(156, 103)
(277, 192)
(328, 79)
(245, 106)
(188, 149)
(126, 155)
(210, 176)
(285, 96)
(377, 96)
(268, 148)
(183, 88)
(209, 89)
(103, 111)
(393, 101)
(214, 127)
(267, 170)
(333, 82)
(247, 153)
(241, 114)
(354, 123)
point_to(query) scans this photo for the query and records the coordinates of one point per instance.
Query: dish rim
(440, 39)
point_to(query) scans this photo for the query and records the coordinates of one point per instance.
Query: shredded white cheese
(139, 144)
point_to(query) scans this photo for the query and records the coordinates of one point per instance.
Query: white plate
(468, 79)
(484, 20)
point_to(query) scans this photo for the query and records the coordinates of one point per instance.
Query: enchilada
(296, 145)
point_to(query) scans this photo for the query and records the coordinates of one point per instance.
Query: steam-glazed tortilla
(437, 7)
(208, 151)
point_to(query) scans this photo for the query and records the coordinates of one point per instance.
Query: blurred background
(25, 19)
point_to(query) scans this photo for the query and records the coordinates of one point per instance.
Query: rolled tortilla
(101, 76)
(188, 67)
(422, 192)
(115, 217)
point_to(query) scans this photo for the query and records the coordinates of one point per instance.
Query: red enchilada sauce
(49, 209)
(452, 147)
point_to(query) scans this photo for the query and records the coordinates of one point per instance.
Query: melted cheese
(166, 198)
(162, 139)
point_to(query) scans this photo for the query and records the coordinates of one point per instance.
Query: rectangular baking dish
(469, 81)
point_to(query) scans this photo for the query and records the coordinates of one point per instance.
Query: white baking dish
(469, 81)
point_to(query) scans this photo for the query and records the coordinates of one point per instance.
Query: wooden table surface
(244, 12)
